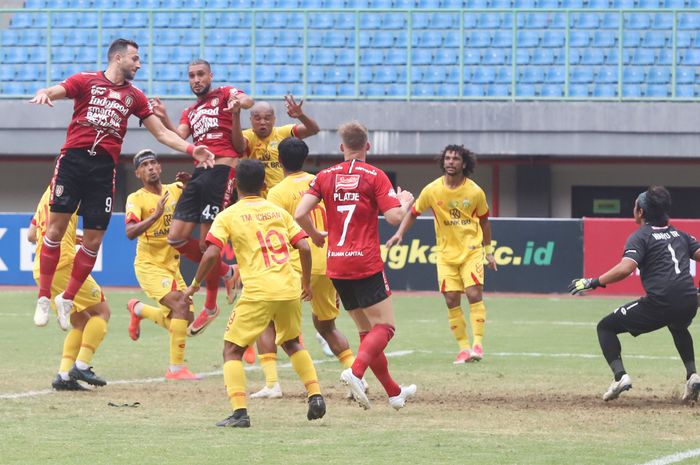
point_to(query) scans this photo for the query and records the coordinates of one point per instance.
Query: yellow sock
(304, 366)
(71, 347)
(234, 378)
(178, 334)
(458, 325)
(93, 334)
(477, 315)
(268, 364)
(156, 315)
(346, 358)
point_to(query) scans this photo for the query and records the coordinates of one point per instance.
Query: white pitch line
(555, 323)
(675, 458)
(208, 374)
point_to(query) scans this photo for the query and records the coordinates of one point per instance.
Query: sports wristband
(489, 249)
(595, 282)
(190, 149)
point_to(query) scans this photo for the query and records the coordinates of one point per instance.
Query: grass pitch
(534, 399)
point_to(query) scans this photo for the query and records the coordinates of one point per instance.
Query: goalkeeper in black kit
(662, 253)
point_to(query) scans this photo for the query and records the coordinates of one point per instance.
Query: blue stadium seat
(370, 21)
(273, 56)
(63, 55)
(659, 76)
(429, 4)
(685, 75)
(673, 3)
(67, 20)
(555, 75)
(501, 4)
(21, 20)
(691, 57)
(593, 56)
(324, 90)
(631, 39)
(167, 37)
(345, 56)
(685, 91)
(271, 89)
(397, 90)
(575, 55)
(416, 75)
(552, 90)
(395, 56)
(386, 74)
(289, 38)
(495, 56)
(60, 72)
(504, 75)
(37, 55)
(374, 56)
(271, 20)
(585, 20)
(444, 21)
(581, 75)
(531, 75)
(446, 56)
(237, 74)
(86, 55)
(182, 55)
(579, 91)
(542, 56)
(690, 21)
(553, 39)
(624, 4)
(648, 4)
(428, 39)
(631, 90)
(404, 4)
(605, 91)
(314, 74)
(472, 56)
(132, 20)
(610, 21)
(535, 20)
(287, 4)
(295, 56)
(113, 20)
(500, 39)
(9, 72)
(528, 39)
(225, 55)
(419, 57)
(383, 39)
(552, 4)
(373, 90)
(167, 73)
(685, 39)
(637, 21)
(655, 39)
(457, 4)
(338, 75)
(632, 75)
(644, 57)
(366, 74)
(103, 4)
(160, 88)
(663, 21)
(498, 90)
(604, 39)
(483, 75)
(525, 90)
(14, 88)
(606, 75)
(480, 39)
(265, 37)
(470, 20)
(579, 38)
(319, 20)
(265, 74)
(217, 37)
(393, 21)
(289, 74)
(489, 20)
(522, 56)
(31, 73)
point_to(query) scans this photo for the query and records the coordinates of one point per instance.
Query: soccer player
(662, 254)
(262, 236)
(261, 141)
(149, 212)
(287, 194)
(463, 234)
(90, 312)
(354, 192)
(84, 176)
(209, 122)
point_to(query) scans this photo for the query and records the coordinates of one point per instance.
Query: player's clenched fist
(584, 284)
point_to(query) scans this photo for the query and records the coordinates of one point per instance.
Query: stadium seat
(575, 55)
(265, 74)
(276, 90)
(483, 75)
(522, 56)
(445, 56)
(585, 20)
(167, 73)
(637, 21)
(289, 74)
(14, 88)
(345, 56)
(658, 91)
(9, 72)
(525, 90)
(397, 90)
(489, 20)
(555, 75)
(663, 21)
(501, 39)
(689, 21)
(610, 21)
(457, 4)
(644, 57)
(324, 90)
(531, 75)
(404, 4)
(593, 56)
(691, 57)
(373, 56)
(504, 75)
(685, 75)
(62, 55)
(495, 56)
(553, 39)
(659, 75)
(167, 37)
(579, 91)
(497, 90)
(428, 39)
(552, 90)
(631, 90)
(553, 4)
(473, 90)
(535, 20)
(420, 57)
(337, 75)
(237, 74)
(528, 39)
(480, 39)
(623, 4)
(604, 39)
(542, 56)
(579, 38)
(673, 4)
(581, 75)
(386, 74)
(395, 56)
(319, 20)
(655, 39)
(373, 90)
(274, 56)
(86, 55)
(314, 74)
(501, 4)
(382, 39)
(632, 75)
(606, 75)
(605, 91)
(685, 91)
(631, 38)
(393, 21)
(448, 90)
(472, 56)
(226, 55)
(113, 20)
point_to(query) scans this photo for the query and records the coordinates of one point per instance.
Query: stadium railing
(640, 73)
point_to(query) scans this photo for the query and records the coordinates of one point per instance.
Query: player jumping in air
(262, 236)
(210, 123)
(354, 193)
(662, 254)
(149, 213)
(463, 234)
(85, 171)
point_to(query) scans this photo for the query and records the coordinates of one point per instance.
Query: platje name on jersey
(346, 196)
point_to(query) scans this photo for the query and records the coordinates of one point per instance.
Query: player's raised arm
(47, 96)
(237, 139)
(308, 126)
(613, 275)
(161, 112)
(167, 137)
(135, 228)
(394, 216)
(307, 203)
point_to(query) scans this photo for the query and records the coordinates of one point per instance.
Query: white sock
(138, 307)
(64, 375)
(81, 365)
(175, 368)
(210, 311)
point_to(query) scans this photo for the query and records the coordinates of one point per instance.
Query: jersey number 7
(350, 209)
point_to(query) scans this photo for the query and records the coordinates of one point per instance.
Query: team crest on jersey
(95, 292)
(274, 144)
(215, 102)
(466, 203)
(115, 95)
(128, 100)
(165, 283)
(97, 90)
(58, 191)
(346, 181)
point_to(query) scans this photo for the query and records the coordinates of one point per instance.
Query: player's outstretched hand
(318, 238)
(183, 177)
(234, 106)
(394, 240)
(204, 158)
(42, 98)
(293, 108)
(580, 285)
(405, 197)
(160, 207)
(158, 108)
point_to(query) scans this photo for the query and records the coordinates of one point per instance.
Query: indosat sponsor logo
(415, 252)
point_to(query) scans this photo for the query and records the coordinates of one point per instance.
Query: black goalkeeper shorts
(205, 195)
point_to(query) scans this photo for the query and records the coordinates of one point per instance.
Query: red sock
(223, 268)
(191, 250)
(82, 266)
(212, 284)
(380, 368)
(372, 344)
(48, 261)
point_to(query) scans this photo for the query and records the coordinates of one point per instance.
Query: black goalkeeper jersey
(663, 256)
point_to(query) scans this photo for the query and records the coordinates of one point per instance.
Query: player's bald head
(262, 119)
(262, 108)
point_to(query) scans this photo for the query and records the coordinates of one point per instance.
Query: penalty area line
(675, 458)
(207, 374)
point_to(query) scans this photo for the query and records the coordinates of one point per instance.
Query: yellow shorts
(250, 318)
(456, 278)
(88, 295)
(325, 302)
(158, 282)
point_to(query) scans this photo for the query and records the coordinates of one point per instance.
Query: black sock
(238, 413)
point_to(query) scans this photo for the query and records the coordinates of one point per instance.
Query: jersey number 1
(675, 260)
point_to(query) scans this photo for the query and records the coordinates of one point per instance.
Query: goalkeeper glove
(583, 284)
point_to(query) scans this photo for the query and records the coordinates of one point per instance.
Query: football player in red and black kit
(210, 123)
(354, 193)
(85, 170)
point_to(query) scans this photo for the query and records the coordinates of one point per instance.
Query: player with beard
(84, 176)
(210, 123)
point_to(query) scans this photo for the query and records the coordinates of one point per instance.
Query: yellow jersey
(41, 221)
(287, 194)
(152, 247)
(266, 151)
(457, 213)
(262, 235)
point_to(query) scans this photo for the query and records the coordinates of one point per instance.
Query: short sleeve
(276, 196)
(132, 210)
(286, 131)
(219, 232)
(384, 193)
(422, 202)
(482, 207)
(294, 231)
(635, 248)
(315, 187)
(73, 85)
(184, 119)
(693, 245)
(143, 108)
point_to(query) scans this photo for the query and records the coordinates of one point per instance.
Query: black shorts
(205, 195)
(362, 293)
(644, 316)
(85, 183)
